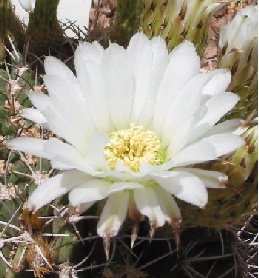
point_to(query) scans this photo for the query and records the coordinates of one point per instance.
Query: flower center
(133, 146)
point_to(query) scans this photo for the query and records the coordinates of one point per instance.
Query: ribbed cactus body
(230, 206)
(127, 21)
(44, 34)
(11, 26)
(179, 20)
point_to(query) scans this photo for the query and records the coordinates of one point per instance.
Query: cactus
(127, 21)
(44, 33)
(19, 175)
(43, 36)
(236, 202)
(10, 25)
(57, 242)
(179, 20)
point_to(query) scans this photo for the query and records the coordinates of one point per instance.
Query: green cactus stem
(10, 25)
(44, 34)
(127, 21)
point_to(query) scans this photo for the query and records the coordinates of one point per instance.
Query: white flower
(28, 5)
(240, 31)
(134, 121)
(238, 43)
(238, 52)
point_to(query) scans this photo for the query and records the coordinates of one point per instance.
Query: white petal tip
(202, 205)
(223, 182)
(31, 206)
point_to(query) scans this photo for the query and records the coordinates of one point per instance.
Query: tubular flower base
(178, 20)
(238, 52)
(134, 120)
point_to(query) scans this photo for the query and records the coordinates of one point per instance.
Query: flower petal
(67, 155)
(159, 64)
(229, 126)
(134, 213)
(178, 139)
(67, 82)
(35, 116)
(54, 66)
(224, 143)
(94, 91)
(118, 78)
(113, 215)
(55, 187)
(184, 64)
(89, 191)
(120, 186)
(39, 100)
(218, 106)
(149, 59)
(140, 55)
(87, 64)
(183, 107)
(95, 151)
(195, 153)
(29, 145)
(147, 203)
(67, 103)
(64, 128)
(218, 83)
(186, 187)
(168, 205)
(58, 148)
(88, 52)
(210, 113)
(211, 179)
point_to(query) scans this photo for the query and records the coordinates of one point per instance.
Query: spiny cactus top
(133, 121)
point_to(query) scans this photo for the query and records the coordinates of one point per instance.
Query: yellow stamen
(133, 146)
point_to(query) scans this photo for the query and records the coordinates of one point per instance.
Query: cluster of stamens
(133, 146)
